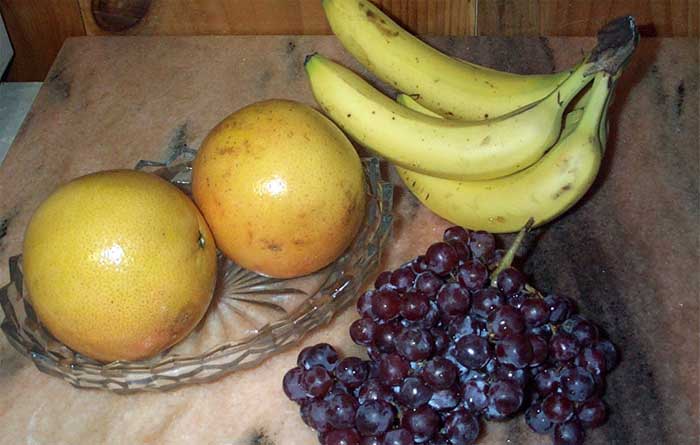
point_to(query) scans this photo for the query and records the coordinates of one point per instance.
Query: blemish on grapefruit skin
(271, 245)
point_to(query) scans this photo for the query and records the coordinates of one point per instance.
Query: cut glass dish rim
(344, 281)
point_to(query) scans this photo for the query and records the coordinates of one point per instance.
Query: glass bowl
(251, 316)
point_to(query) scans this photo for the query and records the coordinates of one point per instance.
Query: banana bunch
(542, 191)
(482, 148)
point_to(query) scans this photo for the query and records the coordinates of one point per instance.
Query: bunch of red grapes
(455, 337)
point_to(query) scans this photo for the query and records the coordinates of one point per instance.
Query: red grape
(577, 384)
(486, 300)
(504, 321)
(402, 278)
(342, 408)
(441, 258)
(351, 372)
(456, 233)
(291, 384)
(591, 413)
(535, 312)
(414, 344)
(510, 281)
(413, 392)
(415, 305)
(422, 422)
(453, 300)
(557, 408)
(563, 347)
(482, 244)
(569, 433)
(439, 373)
(505, 398)
(382, 279)
(536, 420)
(393, 369)
(374, 418)
(547, 381)
(386, 304)
(373, 389)
(316, 381)
(399, 436)
(445, 399)
(461, 427)
(362, 331)
(322, 354)
(475, 395)
(428, 283)
(514, 350)
(472, 351)
(342, 437)
(472, 275)
(384, 336)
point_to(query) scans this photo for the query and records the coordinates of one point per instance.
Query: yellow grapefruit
(119, 264)
(281, 187)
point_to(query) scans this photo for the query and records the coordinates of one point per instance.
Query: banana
(440, 147)
(542, 191)
(409, 102)
(451, 87)
(570, 119)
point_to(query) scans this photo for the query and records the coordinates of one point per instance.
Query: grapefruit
(119, 265)
(281, 187)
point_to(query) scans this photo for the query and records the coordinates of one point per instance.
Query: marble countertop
(628, 253)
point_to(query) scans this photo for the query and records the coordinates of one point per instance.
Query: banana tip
(308, 57)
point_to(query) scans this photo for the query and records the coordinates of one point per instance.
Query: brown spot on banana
(380, 23)
(561, 191)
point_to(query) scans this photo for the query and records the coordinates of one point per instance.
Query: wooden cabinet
(38, 28)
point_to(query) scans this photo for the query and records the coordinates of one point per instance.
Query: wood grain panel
(508, 17)
(663, 18)
(197, 17)
(37, 29)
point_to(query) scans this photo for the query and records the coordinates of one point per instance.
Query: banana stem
(507, 259)
(616, 42)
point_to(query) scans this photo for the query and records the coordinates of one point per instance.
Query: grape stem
(507, 259)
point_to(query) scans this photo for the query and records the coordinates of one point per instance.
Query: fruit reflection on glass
(281, 187)
(119, 265)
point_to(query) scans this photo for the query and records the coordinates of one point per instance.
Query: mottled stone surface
(628, 253)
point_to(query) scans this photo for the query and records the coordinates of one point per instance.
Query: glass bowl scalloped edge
(345, 279)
